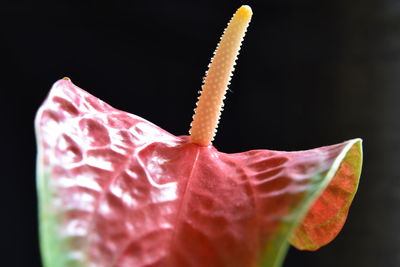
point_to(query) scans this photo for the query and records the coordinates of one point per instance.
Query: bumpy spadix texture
(208, 111)
(117, 191)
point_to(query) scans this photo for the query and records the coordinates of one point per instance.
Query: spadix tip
(244, 11)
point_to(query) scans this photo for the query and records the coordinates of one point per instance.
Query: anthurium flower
(116, 190)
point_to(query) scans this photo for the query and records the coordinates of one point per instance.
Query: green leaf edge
(276, 250)
(52, 246)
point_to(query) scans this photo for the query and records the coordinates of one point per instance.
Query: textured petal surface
(327, 215)
(116, 190)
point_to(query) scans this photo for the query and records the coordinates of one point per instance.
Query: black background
(310, 73)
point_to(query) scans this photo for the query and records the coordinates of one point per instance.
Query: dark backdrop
(311, 73)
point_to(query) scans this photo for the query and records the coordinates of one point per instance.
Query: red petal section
(123, 192)
(328, 214)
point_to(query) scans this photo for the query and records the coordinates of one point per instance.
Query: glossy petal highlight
(116, 190)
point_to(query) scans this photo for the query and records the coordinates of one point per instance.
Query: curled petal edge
(301, 230)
